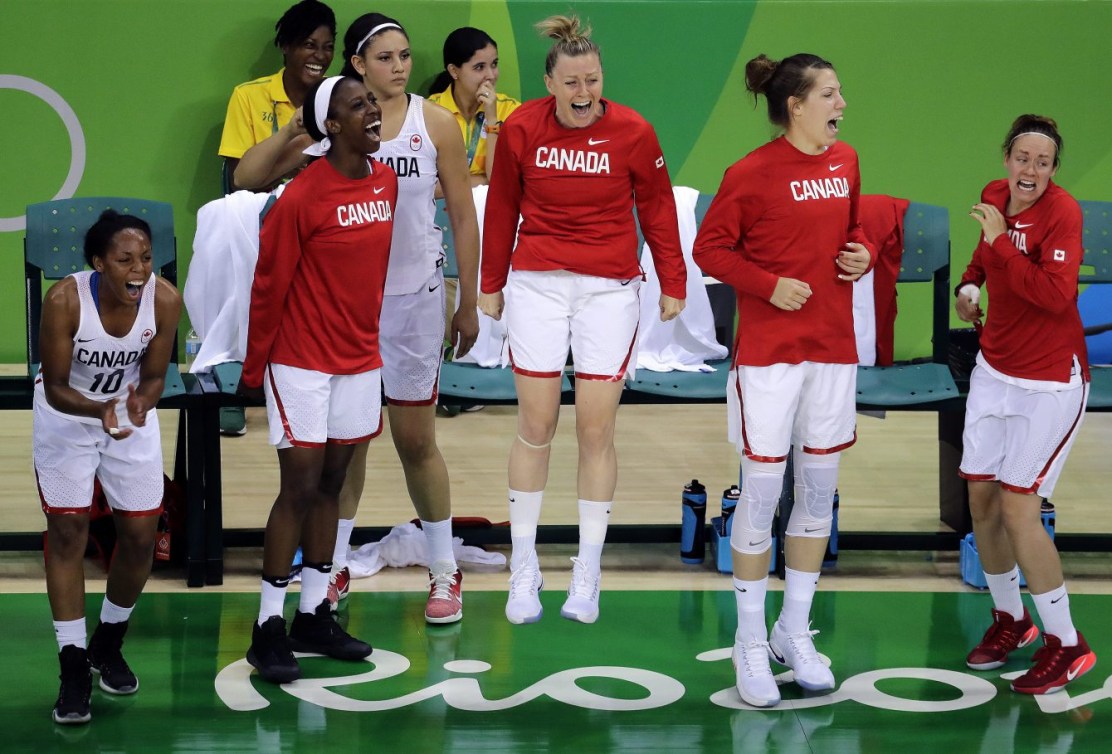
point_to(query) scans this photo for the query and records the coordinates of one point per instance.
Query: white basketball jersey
(416, 250)
(103, 365)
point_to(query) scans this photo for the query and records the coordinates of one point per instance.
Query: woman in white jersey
(106, 338)
(421, 142)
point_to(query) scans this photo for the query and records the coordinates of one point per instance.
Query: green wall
(931, 87)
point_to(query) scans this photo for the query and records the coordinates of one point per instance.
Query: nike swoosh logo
(1013, 578)
(1073, 672)
(754, 544)
(812, 531)
(835, 167)
(596, 142)
(431, 289)
(512, 500)
(743, 591)
(379, 190)
(1055, 602)
(1020, 226)
(85, 340)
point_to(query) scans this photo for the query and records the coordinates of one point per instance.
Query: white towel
(405, 545)
(491, 348)
(864, 319)
(217, 291)
(688, 341)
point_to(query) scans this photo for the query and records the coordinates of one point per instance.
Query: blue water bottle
(831, 558)
(693, 529)
(1046, 512)
(729, 504)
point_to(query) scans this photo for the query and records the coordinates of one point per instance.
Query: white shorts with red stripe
(307, 409)
(70, 454)
(809, 405)
(411, 341)
(1017, 436)
(548, 312)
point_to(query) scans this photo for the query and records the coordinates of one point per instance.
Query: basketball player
(1026, 400)
(783, 231)
(106, 338)
(312, 347)
(421, 141)
(573, 165)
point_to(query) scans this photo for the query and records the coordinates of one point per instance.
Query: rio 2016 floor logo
(236, 691)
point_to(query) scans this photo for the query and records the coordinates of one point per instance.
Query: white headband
(320, 114)
(1032, 133)
(373, 31)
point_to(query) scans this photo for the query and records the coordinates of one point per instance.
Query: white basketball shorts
(411, 341)
(307, 409)
(1016, 436)
(69, 454)
(808, 405)
(554, 310)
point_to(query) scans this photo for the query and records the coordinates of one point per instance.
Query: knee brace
(751, 527)
(816, 477)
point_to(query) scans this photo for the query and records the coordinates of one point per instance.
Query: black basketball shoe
(72, 707)
(270, 651)
(107, 660)
(319, 632)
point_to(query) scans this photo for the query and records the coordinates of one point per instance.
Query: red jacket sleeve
(1051, 282)
(279, 253)
(718, 247)
(503, 207)
(656, 213)
(975, 272)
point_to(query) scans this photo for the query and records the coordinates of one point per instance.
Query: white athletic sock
(799, 592)
(314, 586)
(593, 519)
(750, 597)
(1054, 612)
(525, 514)
(70, 632)
(438, 537)
(271, 600)
(1004, 588)
(112, 613)
(343, 542)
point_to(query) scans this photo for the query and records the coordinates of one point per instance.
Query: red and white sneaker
(1055, 666)
(339, 586)
(445, 604)
(1004, 636)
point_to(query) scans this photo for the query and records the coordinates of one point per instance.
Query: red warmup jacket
(1033, 329)
(317, 293)
(575, 190)
(782, 213)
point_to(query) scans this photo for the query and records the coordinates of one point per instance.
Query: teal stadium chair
(1097, 268)
(471, 384)
(693, 386)
(926, 259)
(53, 248)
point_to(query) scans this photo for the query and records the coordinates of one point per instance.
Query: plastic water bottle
(729, 504)
(192, 348)
(693, 542)
(831, 558)
(1046, 512)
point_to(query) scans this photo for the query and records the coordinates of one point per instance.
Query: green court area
(653, 674)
